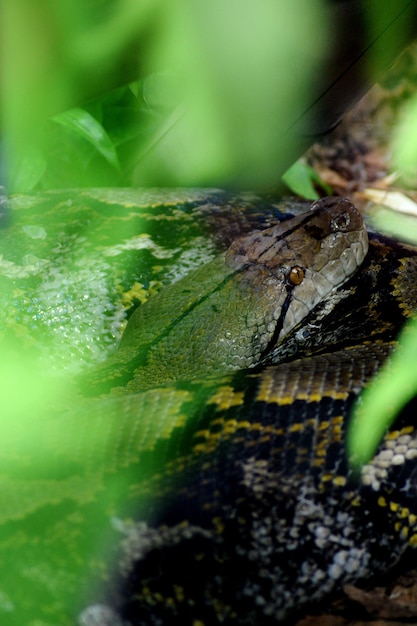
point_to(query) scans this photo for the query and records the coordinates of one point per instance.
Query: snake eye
(296, 275)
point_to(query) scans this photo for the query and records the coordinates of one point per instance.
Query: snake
(198, 474)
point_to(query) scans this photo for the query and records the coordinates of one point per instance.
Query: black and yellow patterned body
(225, 499)
(289, 524)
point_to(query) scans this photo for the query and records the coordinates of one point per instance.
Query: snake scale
(197, 475)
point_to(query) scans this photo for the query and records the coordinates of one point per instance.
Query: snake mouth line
(279, 325)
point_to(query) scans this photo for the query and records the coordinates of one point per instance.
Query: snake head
(301, 262)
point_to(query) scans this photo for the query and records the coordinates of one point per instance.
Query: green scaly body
(223, 500)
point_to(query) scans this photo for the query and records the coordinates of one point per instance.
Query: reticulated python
(202, 479)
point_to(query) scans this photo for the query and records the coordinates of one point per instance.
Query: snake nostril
(340, 223)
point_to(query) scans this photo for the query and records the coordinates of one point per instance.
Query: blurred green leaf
(379, 404)
(395, 224)
(234, 69)
(404, 142)
(235, 66)
(300, 179)
(396, 382)
(160, 91)
(85, 125)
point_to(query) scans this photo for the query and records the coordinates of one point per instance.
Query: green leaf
(160, 91)
(404, 142)
(379, 404)
(300, 177)
(395, 224)
(85, 125)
